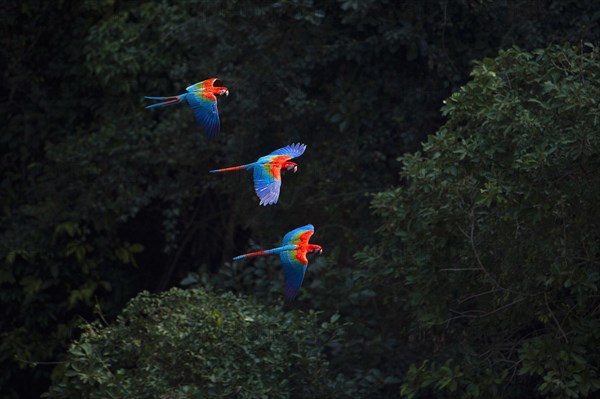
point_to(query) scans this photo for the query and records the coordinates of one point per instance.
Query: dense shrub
(194, 343)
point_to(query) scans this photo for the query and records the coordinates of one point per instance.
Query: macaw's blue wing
(299, 235)
(205, 110)
(294, 266)
(294, 261)
(267, 183)
(292, 150)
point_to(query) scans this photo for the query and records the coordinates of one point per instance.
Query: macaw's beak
(226, 93)
(319, 251)
(295, 168)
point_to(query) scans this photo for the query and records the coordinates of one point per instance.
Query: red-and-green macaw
(292, 253)
(267, 171)
(202, 98)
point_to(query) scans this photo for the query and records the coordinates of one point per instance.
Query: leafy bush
(193, 343)
(489, 251)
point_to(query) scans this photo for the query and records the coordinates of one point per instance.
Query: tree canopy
(491, 246)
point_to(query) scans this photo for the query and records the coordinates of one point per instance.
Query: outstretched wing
(200, 86)
(292, 151)
(204, 105)
(267, 173)
(299, 235)
(295, 262)
(294, 266)
(267, 182)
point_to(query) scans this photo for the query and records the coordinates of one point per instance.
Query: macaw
(267, 171)
(292, 253)
(202, 98)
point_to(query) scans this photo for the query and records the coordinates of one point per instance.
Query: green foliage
(490, 248)
(193, 343)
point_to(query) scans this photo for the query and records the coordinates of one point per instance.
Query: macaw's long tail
(233, 168)
(172, 100)
(266, 252)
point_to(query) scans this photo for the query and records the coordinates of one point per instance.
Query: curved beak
(295, 168)
(226, 93)
(319, 251)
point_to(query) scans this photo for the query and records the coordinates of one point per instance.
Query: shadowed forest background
(452, 176)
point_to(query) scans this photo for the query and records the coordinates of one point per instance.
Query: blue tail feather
(171, 100)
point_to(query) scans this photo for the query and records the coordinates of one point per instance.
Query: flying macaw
(267, 171)
(202, 98)
(292, 253)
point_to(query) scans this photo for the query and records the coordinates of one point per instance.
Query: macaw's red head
(219, 90)
(287, 165)
(317, 249)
